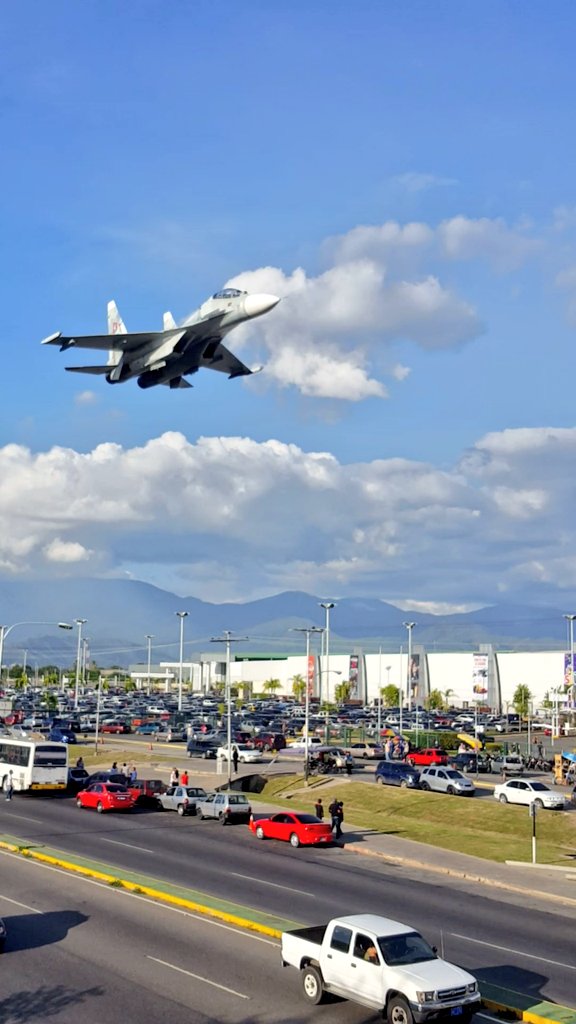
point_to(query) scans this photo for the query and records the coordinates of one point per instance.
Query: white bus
(36, 764)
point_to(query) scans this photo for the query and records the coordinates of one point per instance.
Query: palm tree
(271, 685)
(298, 686)
(446, 695)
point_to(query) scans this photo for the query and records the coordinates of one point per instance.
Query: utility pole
(228, 639)
(307, 630)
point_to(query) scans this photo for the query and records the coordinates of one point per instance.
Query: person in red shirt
(184, 778)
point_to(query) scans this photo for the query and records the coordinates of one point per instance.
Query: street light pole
(228, 639)
(327, 605)
(307, 630)
(570, 621)
(79, 623)
(409, 627)
(181, 616)
(149, 638)
(5, 630)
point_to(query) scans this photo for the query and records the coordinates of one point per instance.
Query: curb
(539, 1013)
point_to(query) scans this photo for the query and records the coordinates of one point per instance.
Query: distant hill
(120, 613)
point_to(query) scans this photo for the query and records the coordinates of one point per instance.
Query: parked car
(148, 729)
(397, 773)
(246, 755)
(510, 764)
(525, 791)
(117, 777)
(296, 829)
(427, 756)
(201, 748)
(145, 792)
(105, 796)
(58, 735)
(115, 727)
(446, 780)
(226, 807)
(367, 751)
(471, 762)
(183, 799)
(269, 741)
(77, 779)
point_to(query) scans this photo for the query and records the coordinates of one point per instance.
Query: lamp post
(5, 630)
(327, 605)
(149, 638)
(409, 627)
(181, 616)
(228, 639)
(79, 623)
(307, 630)
(570, 620)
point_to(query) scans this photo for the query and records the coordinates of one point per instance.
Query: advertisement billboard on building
(353, 675)
(479, 677)
(311, 675)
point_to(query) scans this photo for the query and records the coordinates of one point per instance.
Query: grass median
(482, 828)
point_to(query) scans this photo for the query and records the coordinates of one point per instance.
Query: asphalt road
(518, 941)
(79, 950)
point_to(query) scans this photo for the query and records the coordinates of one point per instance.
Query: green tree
(446, 695)
(51, 701)
(342, 691)
(521, 699)
(434, 701)
(298, 686)
(390, 696)
(271, 686)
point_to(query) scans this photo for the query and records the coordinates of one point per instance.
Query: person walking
(184, 778)
(80, 762)
(174, 777)
(319, 809)
(9, 785)
(235, 757)
(340, 817)
(133, 773)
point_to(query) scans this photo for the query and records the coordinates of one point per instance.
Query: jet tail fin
(169, 322)
(116, 325)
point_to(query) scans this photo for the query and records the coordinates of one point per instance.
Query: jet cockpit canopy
(228, 293)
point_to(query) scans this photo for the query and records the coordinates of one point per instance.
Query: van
(397, 773)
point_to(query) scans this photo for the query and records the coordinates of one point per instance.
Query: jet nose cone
(256, 305)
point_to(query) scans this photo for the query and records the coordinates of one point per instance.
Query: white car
(300, 744)
(523, 791)
(246, 755)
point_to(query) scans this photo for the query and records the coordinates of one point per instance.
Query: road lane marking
(518, 952)
(144, 899)
(198, 977)
(276, 885)
(129, 845)
(18, 904)
(37, 821)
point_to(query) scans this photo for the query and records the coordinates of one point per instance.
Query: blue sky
(402, 175)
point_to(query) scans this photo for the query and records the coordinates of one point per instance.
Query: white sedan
(523, 791)
(246, 755)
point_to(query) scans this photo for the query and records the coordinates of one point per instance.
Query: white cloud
(415, 181)
(86, 398)
(505, 248)
(275, 517)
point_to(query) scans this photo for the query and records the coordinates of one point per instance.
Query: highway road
(526, 944)
(79, 950)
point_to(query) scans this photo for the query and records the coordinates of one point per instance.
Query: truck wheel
(398, 1011)
(312, 985)
(260, 832)
(294, 841)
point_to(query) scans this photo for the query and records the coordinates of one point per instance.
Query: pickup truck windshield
(410, 948)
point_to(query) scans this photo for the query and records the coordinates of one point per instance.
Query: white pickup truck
(382, 964)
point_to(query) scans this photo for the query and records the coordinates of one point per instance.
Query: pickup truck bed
(302, 945)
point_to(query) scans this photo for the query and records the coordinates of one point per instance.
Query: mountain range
(120, 613)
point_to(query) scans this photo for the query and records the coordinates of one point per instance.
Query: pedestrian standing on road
(235, 757)
(184, 778)
(133, 773)
(319, 809)
(174, 777)
(114, 767)
(340, 816)
(9, 785)
(335, 820)
(80, 762)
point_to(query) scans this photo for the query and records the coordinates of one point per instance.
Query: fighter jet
(170, 355)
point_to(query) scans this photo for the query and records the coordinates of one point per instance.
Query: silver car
(446, 780)
(183, 799)
(225, 807)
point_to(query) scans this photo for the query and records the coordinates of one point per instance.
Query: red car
(105, 796)
(118, 727)
(429, 756)
(297, 829)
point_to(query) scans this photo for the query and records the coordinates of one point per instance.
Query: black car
(469, 762)
(397, 773)
(117, 777)
(2, 935)
(202, 748)
(77, 779)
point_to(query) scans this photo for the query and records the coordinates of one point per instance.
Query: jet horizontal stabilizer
(88, 369)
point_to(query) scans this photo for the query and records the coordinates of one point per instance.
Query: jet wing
(225, 362)
(105, 342)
